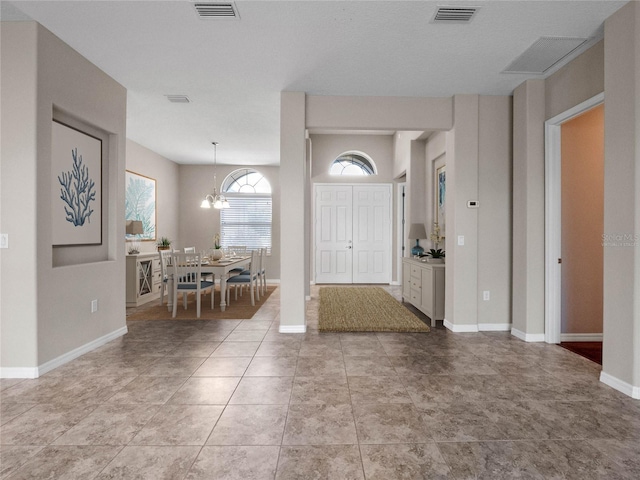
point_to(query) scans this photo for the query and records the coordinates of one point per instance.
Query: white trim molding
(580, 337)
(552, 215)
(621, 386)
(460, 328)
(293, 329)
(528, 337)
(494, 327)
(21, 372)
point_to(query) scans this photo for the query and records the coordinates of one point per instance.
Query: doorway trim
(400, 230)
(552, 216)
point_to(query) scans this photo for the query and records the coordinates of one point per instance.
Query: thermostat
(473, 204)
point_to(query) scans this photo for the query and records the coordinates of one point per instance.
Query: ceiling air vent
(454, 14)
(178, 98)
(544, 54)
(216, 10)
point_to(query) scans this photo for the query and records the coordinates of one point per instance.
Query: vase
(217, 253)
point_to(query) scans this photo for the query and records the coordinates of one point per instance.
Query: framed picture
(441, 191)
(140, 204)
(76, 187)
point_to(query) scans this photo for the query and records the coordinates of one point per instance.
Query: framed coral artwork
(76, 187)
(140, 204)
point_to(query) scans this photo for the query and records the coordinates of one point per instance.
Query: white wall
(145, 162)
(65, 83)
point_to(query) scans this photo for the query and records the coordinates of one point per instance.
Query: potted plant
(435, 255)
(164, 243)
(217, 252)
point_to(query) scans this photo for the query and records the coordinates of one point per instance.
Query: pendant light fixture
(215, 199)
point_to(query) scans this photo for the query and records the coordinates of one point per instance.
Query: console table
(143, 278)
(423, 287)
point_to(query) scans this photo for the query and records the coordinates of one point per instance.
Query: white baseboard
(395, 282)
(527, 337)
(494, 327)
(307, 298)
(18, 372)
(460, 328)
(580, 337)
(21, 372)
(293, 329)
(621, 386)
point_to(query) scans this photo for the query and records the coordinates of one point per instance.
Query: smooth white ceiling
(234, 70)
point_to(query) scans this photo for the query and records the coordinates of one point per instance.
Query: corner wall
(60, 326)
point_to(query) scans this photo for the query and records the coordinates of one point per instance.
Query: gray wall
(42, 77)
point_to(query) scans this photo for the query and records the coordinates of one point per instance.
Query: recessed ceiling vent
(544, 54)
(178, 98)
(209, 11)
(454, 14)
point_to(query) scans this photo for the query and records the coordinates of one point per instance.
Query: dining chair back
(243, 279)
(189, 249)
(187, 278)
(165, 259)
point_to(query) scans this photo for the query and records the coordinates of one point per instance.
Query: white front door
(334, 241)
(371, 233)
(353, 233)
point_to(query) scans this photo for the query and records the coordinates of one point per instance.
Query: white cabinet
(423, 287)
(143, 278)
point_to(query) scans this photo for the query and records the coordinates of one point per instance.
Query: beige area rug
(364, 309)
(240, 309)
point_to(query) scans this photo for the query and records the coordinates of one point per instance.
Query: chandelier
(215, 199)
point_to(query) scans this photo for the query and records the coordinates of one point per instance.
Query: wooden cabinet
(144, 278)
(423, 287)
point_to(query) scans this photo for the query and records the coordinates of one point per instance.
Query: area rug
(364, 309)
(240, 309)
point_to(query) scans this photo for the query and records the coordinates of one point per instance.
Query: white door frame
(400, 219)
(553, 218)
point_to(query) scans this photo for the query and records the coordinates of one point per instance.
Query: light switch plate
(4, 240)
(461, 240)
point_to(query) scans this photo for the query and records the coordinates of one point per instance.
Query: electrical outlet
(94, 306)
(460, 240)
(486, 295)
(4, 240)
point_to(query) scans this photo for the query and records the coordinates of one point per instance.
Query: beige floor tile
(223, 367)
(320, 425)
(250, 425)
(272, 367)
(150, 463)
(320, 461)
(151, 390)
(236, 349)
(206, 391)
(263, 391)
(404, 461)
(235, 463)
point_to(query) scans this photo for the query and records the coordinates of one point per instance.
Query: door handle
(349, 246)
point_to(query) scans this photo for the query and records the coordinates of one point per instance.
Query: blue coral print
(77, 191)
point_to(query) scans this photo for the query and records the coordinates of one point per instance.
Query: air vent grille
(216, 10)
(543, 54)
(454, 14)
(178, 98)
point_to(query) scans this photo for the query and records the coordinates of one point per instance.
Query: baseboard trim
(580, 337)
(494, 327)
(460, 328)
(292, 329)
(527, 337)
(20, 372)
(620, 385)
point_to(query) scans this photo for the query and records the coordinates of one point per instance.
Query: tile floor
(237, 400)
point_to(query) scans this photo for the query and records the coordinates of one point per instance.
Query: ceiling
(233, 70)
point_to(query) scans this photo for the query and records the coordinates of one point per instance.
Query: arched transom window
(247, 221)
(353, 163)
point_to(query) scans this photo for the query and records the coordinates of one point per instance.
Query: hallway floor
(233, 399)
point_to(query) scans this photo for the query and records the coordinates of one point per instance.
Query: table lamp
(417, 231)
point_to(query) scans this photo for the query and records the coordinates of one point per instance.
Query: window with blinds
(248, 220)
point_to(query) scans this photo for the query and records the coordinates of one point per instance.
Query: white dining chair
(187, 278)
(165, 259)
(189, 249)
(251, 280)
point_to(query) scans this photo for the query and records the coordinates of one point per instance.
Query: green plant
(216, 241)
(164, 242)
(436, 253)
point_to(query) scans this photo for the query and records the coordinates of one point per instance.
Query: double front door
(353, 233)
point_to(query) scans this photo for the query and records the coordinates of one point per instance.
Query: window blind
(247, 222)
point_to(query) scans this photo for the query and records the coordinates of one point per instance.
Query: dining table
(218, 268)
